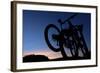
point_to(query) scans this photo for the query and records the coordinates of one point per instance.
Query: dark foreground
(42, 58)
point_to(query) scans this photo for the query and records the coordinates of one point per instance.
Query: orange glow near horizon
(50, 54)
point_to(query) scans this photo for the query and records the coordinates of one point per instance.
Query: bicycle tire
(47, 39)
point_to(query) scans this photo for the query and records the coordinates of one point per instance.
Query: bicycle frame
(74, 38)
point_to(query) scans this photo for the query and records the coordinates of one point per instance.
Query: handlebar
(62, 22)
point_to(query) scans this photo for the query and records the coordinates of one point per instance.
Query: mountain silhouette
(40, 58)
(35, 58)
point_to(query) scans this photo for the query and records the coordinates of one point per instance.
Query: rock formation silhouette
(35, 58)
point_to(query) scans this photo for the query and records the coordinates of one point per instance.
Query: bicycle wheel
(49, 31)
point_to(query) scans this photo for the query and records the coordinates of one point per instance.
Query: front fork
(60, 42)
(61, 45)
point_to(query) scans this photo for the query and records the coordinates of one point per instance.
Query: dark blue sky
(35, 22)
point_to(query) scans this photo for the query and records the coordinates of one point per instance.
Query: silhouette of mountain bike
(71, 37)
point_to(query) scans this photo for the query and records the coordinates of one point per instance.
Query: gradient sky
(35, 22)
